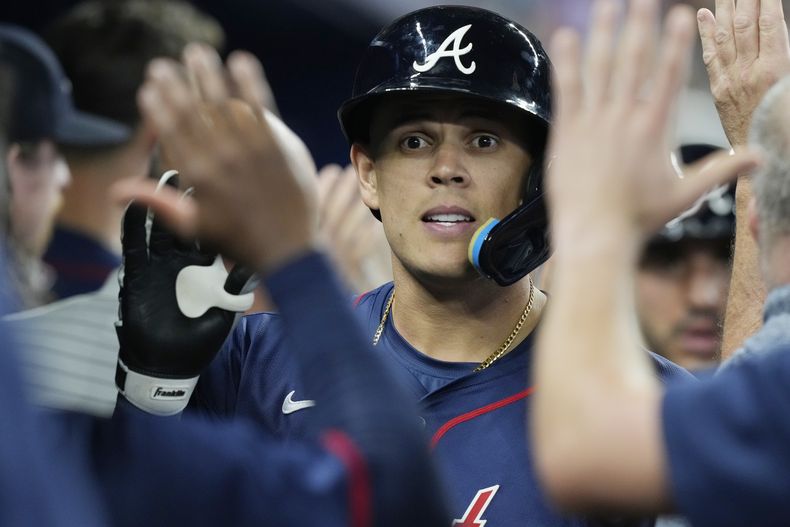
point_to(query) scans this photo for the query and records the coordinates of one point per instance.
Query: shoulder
(726, 426)
(374, 297)
(668, 371)
(369, 306)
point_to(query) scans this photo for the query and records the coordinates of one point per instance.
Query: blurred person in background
(43, 118)
(683, 276)
(104, 48)
(70, 345)
(717, 450)
(65, 469)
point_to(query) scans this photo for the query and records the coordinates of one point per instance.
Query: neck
(465, 321)
(87, 205)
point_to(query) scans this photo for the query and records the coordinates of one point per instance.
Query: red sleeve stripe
(360, 506)
(475, 413)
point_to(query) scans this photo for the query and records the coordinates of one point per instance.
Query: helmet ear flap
(507, 250)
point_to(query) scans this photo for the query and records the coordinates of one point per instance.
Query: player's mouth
(701, 340)
(449, 220)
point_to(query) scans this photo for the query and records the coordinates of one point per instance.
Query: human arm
(612, 184)
(253, 202)
(745, 50)
(746, 295)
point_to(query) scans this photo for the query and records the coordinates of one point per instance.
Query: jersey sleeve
(727, 444)
(669, 372)
(155, 471)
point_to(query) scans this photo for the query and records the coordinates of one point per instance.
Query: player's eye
(485, 141)
(414, 142)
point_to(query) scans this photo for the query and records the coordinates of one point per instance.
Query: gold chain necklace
(491, 358)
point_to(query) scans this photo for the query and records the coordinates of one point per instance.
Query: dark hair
(104, 47)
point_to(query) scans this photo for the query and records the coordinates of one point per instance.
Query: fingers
(240, 279)
(745, 31)
(706, 24)
(327, 179)
(673, 64)
(600, 55)
(161, 240)
(134, 248)
(725, 41)
(178, 214)
(637, 50)
(168, 104)
(248, 78)
(342, 199)
(712, 171)
(204, 64)
(772, 27)
(568, 93)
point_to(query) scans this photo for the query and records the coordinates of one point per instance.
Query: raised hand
(177, 306)
(254, 180)
(612, 169)
(355, 238)
(745, 49)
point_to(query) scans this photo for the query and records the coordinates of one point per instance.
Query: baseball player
(717, 451)
(364, 461)
(447, 125)
(684, 271)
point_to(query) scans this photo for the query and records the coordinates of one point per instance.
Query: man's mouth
(448, 219)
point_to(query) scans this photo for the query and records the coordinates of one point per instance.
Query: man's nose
(708, 283)
(448, 167)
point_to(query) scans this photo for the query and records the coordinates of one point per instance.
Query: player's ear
(366, 174)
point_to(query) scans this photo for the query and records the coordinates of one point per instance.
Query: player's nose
(448, 167)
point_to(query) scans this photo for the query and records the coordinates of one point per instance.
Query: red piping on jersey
(360, 506)
(478, 412)
(358, 299)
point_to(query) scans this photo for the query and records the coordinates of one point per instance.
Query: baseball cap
(42, 106)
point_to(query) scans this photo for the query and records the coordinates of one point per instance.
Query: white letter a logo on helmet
(457, 51)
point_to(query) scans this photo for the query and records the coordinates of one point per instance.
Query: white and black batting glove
(177, 306)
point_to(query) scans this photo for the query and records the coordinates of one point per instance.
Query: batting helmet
(475, 53)
(711, 218)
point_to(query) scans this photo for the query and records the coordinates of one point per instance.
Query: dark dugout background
(309, 51)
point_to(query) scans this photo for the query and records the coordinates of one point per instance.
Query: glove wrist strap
(154, 395)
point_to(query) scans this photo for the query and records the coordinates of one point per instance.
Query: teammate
(448, 124)
(716, 450)
(684, 271)
(364, 463)
(104, 48)
(43, 116)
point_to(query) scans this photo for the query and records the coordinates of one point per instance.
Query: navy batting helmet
(712, 217)
(475, 53)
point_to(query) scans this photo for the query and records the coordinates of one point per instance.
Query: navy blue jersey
(728, 444)
(475, 421)
(364, 464)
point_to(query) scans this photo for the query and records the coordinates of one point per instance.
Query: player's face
(681, 295)
(438, 167)
(38, 174)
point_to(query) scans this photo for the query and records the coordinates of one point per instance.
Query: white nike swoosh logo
(290, 406)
